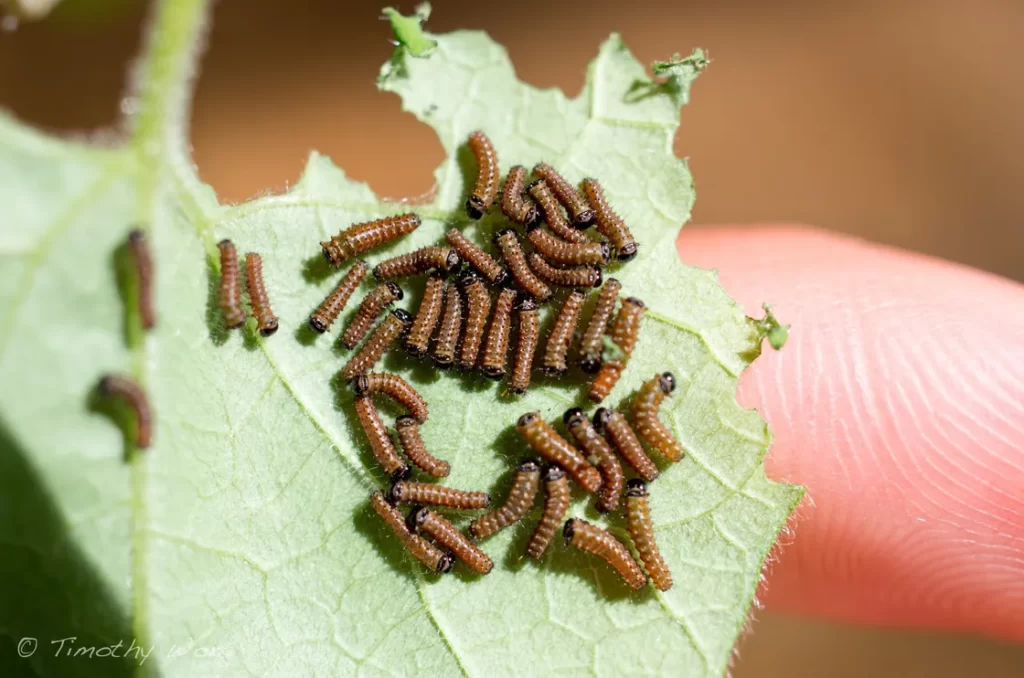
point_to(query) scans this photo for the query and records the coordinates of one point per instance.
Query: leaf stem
(162, 81)
(159, 109)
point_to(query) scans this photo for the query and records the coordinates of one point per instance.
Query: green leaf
(409, 32)
(242, 542)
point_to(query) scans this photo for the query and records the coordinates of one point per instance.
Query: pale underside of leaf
(244, 533)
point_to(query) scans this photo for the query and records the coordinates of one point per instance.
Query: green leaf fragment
(408, 30)
(770, 327)
(610, 350)
(242, 542)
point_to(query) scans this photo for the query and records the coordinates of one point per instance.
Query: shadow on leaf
(51, 591)
(214, 318)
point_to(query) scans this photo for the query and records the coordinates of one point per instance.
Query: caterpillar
(448, 331)
(411, 492)
(478, 307)
(604, 545)
(592, 341)
(556, 502)
(369, 308)
(483, 262)
(492, 363)
(641, 530)
(519, 502)
(581, 212)
(394, 387)
(526, 279)
(608, 223)
(558, 251)
(597, 449)
(487, 177)
(423, 325)
(421, 549)
(414, 449)
(552, 211)
(514, 204)
(625, 331)
(266, 321)
(328, 311)
(529, 335)
(562, 333)
(418, 261)
(129, 391)
(443, 532)
(645, 415)
(393, 326)
(230, 289)
(547, 442)
(360, 238)
(624, 440)
(380, 442)
(143, 260)
(577, 276)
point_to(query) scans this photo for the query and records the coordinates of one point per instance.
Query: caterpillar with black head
(412, 492)
(582, 213)
(641, 530)
(443, 532)
(448, 332)
(478, 307)
(422, 550)
(524, 278)
(483, 262)
(487, 177)
(603, 544)
(443, 259)
(645, 415)
(622, 437)
(558, 251)
(492, 363)
(416, 451)
(556, 502)
(266, 321)
(529, 336)
(380, 441)
(391, 328)
(395, 387)
(608, 223)
(514, 204)
(552, 213)
(360, 238)
(596, 447)
(423, 325)
(328, 311)
(369, 308)
(576, 276)
(562, 333)
(592, 341)
(547, 442)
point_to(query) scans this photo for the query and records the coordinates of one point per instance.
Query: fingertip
(898, 403)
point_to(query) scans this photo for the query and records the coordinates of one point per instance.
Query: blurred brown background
(897, 121)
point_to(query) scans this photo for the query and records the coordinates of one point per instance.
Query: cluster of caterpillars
(473, 301)
(461, 323)
(594, 463)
